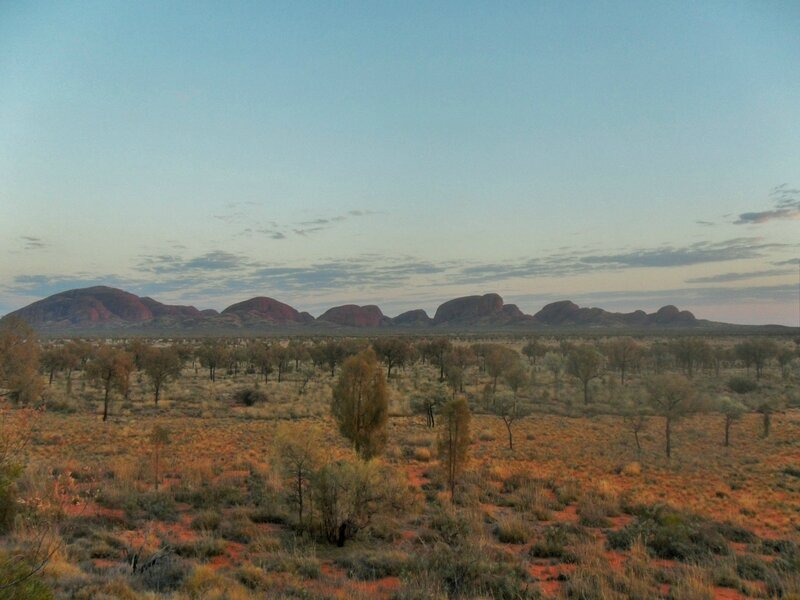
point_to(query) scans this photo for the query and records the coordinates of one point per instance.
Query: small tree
(159, 438)
(500, 359)
(584, 363)
(454, 440)
(534, 350)
(110, 367)
(756, 352)
(623, 354)
(19, 361)
(161, 365)
(671, 397)
(211, 355)
(732, 410)
(428, 400)
(510, 410)
(393, 352)
(555, 363)
(298, 452)
(361, 403)
(635, 415)
(348, 494)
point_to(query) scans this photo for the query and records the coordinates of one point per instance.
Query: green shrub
(250, 396)
(151, 505)
(670, 534)
(375, 564)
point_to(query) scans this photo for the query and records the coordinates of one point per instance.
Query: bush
(162, 573)
(12, 570)
(512, 530)
(208, 520)
(555, 542)
(742, 385)
(670, 534)
(151, 505)
(250, 396)
(373, 565)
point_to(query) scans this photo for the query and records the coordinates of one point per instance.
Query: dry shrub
(422, 454)
(692, 583)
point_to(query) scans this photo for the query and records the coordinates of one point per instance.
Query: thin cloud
(787, 207)
(728, 277)
(33, 243)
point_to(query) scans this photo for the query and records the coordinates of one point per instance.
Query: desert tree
(766, 406)
(510, 409)
(361, 403)
(260, 357)
(298, 453)
(690, 353)
(21, 564)
(111, 368)
(584, 363)
(330, 353)
(70, 360)
(453, 441)
(392, 352)
(51, 361)
(756, 352)
(623, 354)
(785, 356)
(298, 352)
(732, 410)
(428, 400)
(212, 354)
(348, 494)
(534, 350)
(159, 437)
(500, 359)
(160, 366)
(671, 396)
(19, 361)
(437, 351)
(281, 359)
(635, 415)
(555, 363)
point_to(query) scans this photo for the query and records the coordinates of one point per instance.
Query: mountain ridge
(104, 308)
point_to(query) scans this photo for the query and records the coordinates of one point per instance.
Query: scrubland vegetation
(400, 467)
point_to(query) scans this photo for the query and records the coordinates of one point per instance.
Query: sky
(619, 154)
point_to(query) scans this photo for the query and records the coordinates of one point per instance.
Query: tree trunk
(767, 423)
(586, 391)
(105, 403)
(727, 431)
(510, 438)
(668, 435)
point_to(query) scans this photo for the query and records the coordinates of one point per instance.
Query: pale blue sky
(404, 153)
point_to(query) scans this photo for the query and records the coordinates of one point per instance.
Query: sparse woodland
(399, 467)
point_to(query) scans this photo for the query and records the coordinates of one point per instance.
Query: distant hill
(566, 313)
(110, 310)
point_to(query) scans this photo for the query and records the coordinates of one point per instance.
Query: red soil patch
(728, 594)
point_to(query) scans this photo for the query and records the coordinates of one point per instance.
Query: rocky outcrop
(567, 314)
(476, 311)
(413, 318)
(266, 310)
(351, 315)
(88, 307)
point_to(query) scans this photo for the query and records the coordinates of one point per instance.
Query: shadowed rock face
(170, 310)
(412, 318)
(565, 313)
(94, 306)
(477, 310)
(351, 315)
(262, 308)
